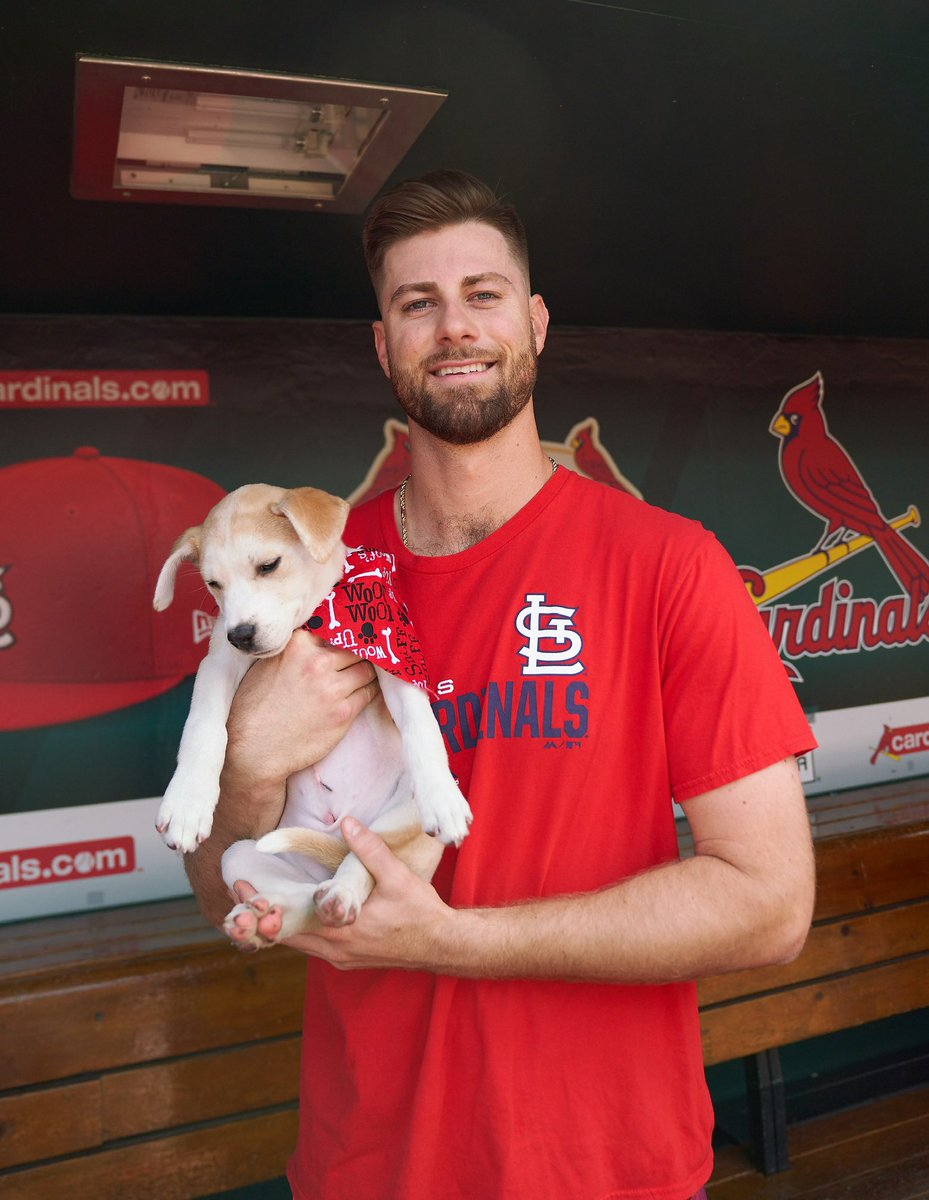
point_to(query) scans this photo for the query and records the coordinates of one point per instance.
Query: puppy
(271, 558)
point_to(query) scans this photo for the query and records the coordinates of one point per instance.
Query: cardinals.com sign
(104, 389)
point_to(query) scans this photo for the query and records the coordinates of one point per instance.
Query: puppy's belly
(363, 776)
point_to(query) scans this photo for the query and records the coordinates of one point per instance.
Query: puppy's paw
(445, 812)
(336, 904)
(184, 824)
(255, 924)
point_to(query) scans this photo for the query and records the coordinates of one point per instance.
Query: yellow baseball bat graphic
(765, 586)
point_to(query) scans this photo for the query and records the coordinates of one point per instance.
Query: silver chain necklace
(403, 533)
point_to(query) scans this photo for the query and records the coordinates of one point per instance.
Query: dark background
(680, 164)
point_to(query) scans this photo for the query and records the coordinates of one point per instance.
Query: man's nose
(456, 323)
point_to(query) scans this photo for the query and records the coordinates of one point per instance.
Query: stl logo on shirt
(553, 644)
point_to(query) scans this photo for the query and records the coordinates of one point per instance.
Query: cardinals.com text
(74, 860)
(83, 389)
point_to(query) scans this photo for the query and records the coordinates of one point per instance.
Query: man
(524, 1027)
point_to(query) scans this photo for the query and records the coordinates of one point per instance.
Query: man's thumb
(362, 841)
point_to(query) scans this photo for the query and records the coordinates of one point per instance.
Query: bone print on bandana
(364, 614)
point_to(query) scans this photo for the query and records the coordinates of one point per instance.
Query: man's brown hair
(435, 200)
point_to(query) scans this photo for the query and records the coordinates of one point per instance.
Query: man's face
(460, 333)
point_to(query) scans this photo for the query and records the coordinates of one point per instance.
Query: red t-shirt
(590, 658)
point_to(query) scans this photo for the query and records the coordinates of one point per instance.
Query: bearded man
(526, 1025)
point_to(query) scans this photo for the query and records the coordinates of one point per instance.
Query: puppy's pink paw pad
(333, 907)
(254, 924)
(270, 923)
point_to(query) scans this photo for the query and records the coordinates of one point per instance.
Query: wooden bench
(141, 1056)
(867, 955)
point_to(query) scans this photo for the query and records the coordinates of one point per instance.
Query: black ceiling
(702, 164)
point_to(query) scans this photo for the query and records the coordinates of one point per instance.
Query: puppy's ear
(186, 549)
(317, 517)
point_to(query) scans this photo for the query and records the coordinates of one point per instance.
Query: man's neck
(458, 495)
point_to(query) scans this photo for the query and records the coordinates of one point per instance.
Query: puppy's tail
(327, 850)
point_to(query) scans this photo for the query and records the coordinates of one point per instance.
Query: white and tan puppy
(270, 557)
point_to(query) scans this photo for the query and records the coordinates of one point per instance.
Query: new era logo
(203, 626)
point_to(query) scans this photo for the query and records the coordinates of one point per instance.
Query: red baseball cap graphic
(82, 540)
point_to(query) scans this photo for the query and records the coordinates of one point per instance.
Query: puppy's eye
(268, 567)
(214, 584)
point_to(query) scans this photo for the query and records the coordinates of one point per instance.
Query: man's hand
(402, 924)
(291, 710)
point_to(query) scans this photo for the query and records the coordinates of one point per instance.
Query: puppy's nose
(242, 637)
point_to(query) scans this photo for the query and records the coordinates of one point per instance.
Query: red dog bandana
(364, 614)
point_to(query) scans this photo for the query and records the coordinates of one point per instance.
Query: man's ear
(538, 317)
(380, 345)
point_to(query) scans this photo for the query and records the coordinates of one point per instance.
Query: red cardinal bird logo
(591, 457)
(820, 473)
(390, 467)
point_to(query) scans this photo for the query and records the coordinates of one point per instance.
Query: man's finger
(365, 672)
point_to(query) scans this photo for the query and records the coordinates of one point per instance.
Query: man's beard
(469, 413)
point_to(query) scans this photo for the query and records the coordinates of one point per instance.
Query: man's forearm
(243, 812)
(745, 899)
(684, 920)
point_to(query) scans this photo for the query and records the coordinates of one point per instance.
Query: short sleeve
(729, 708)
